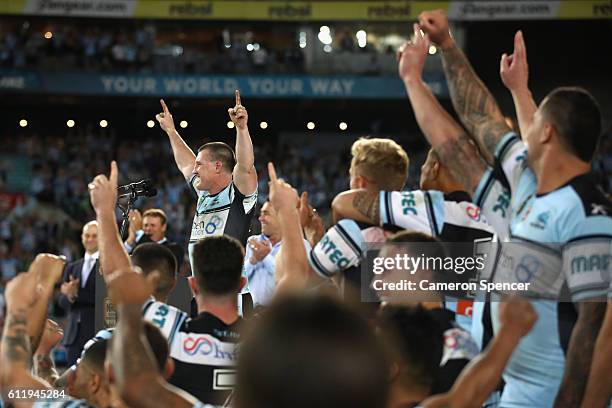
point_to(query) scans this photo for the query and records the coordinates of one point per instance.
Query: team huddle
(329, 327)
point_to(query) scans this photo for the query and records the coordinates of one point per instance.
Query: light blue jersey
(228, 212)
(571, 228)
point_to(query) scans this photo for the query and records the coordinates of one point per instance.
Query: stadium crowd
(315, 343)
(164, 48)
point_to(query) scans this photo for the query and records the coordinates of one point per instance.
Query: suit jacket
(83, 308)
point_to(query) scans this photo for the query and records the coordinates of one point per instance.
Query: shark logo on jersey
(598, 209)
(541, 220)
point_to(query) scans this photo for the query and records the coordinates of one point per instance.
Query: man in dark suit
(78, 294)
(151, 227)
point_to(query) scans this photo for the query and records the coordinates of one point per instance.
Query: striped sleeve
(167, 318)
(587, 256)
(340, 248)
(421, 211)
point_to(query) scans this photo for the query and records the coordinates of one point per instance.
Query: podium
(106, 315)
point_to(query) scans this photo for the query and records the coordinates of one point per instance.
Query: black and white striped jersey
(204, 350)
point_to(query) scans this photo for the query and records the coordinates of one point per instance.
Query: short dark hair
(222, 152)
(94, 356)
(414, 340)
(156, 212)
(217, 264)
(311, 351)
(151, 257)
(577, 119)
(157, 342)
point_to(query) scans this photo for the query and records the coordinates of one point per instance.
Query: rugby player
(556, 209)
(226, 183)
(204, 347)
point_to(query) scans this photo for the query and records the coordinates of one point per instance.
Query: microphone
(143, 188)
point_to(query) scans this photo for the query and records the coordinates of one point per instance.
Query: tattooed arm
(15, 350)
(359, 205)
(443, 133)
(580, 354)
(136, 374)
(599, 388)
(48, 272)
(471, 99)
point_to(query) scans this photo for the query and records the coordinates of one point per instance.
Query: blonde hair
(382, 161)
(156, 212)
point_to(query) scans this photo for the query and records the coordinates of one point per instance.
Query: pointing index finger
(272, 172)
(113, 173)
(164, 107)
(237, 93)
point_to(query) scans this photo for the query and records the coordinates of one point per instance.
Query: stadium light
(432, 49)
(361, 38)
(325, 35)
(343, 126)
(150, 124)
(302, 39)
(103, 123)
(23, 123)
(263, 125)
(310, 125)
(183, 124)
(230, 124)
(250, 47)
(48, 35)
(70, 123)
(327, 48)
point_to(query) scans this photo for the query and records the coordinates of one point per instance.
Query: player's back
(204, 350)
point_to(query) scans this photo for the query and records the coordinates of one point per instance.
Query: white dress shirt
(89, 260)
(260, 277)
(129, 248)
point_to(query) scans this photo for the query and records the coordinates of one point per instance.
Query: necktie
(89, 264)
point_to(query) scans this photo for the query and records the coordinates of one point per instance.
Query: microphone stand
(125, 213)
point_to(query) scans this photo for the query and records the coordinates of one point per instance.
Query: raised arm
(47, 270)
(22, 293)
(443, 133)
(183, 155)
(137, 378)
(480, 378)
(244, 174)
(292, 269)
(514, 73)
(599, 387)
(103, 194)
(473, 102)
